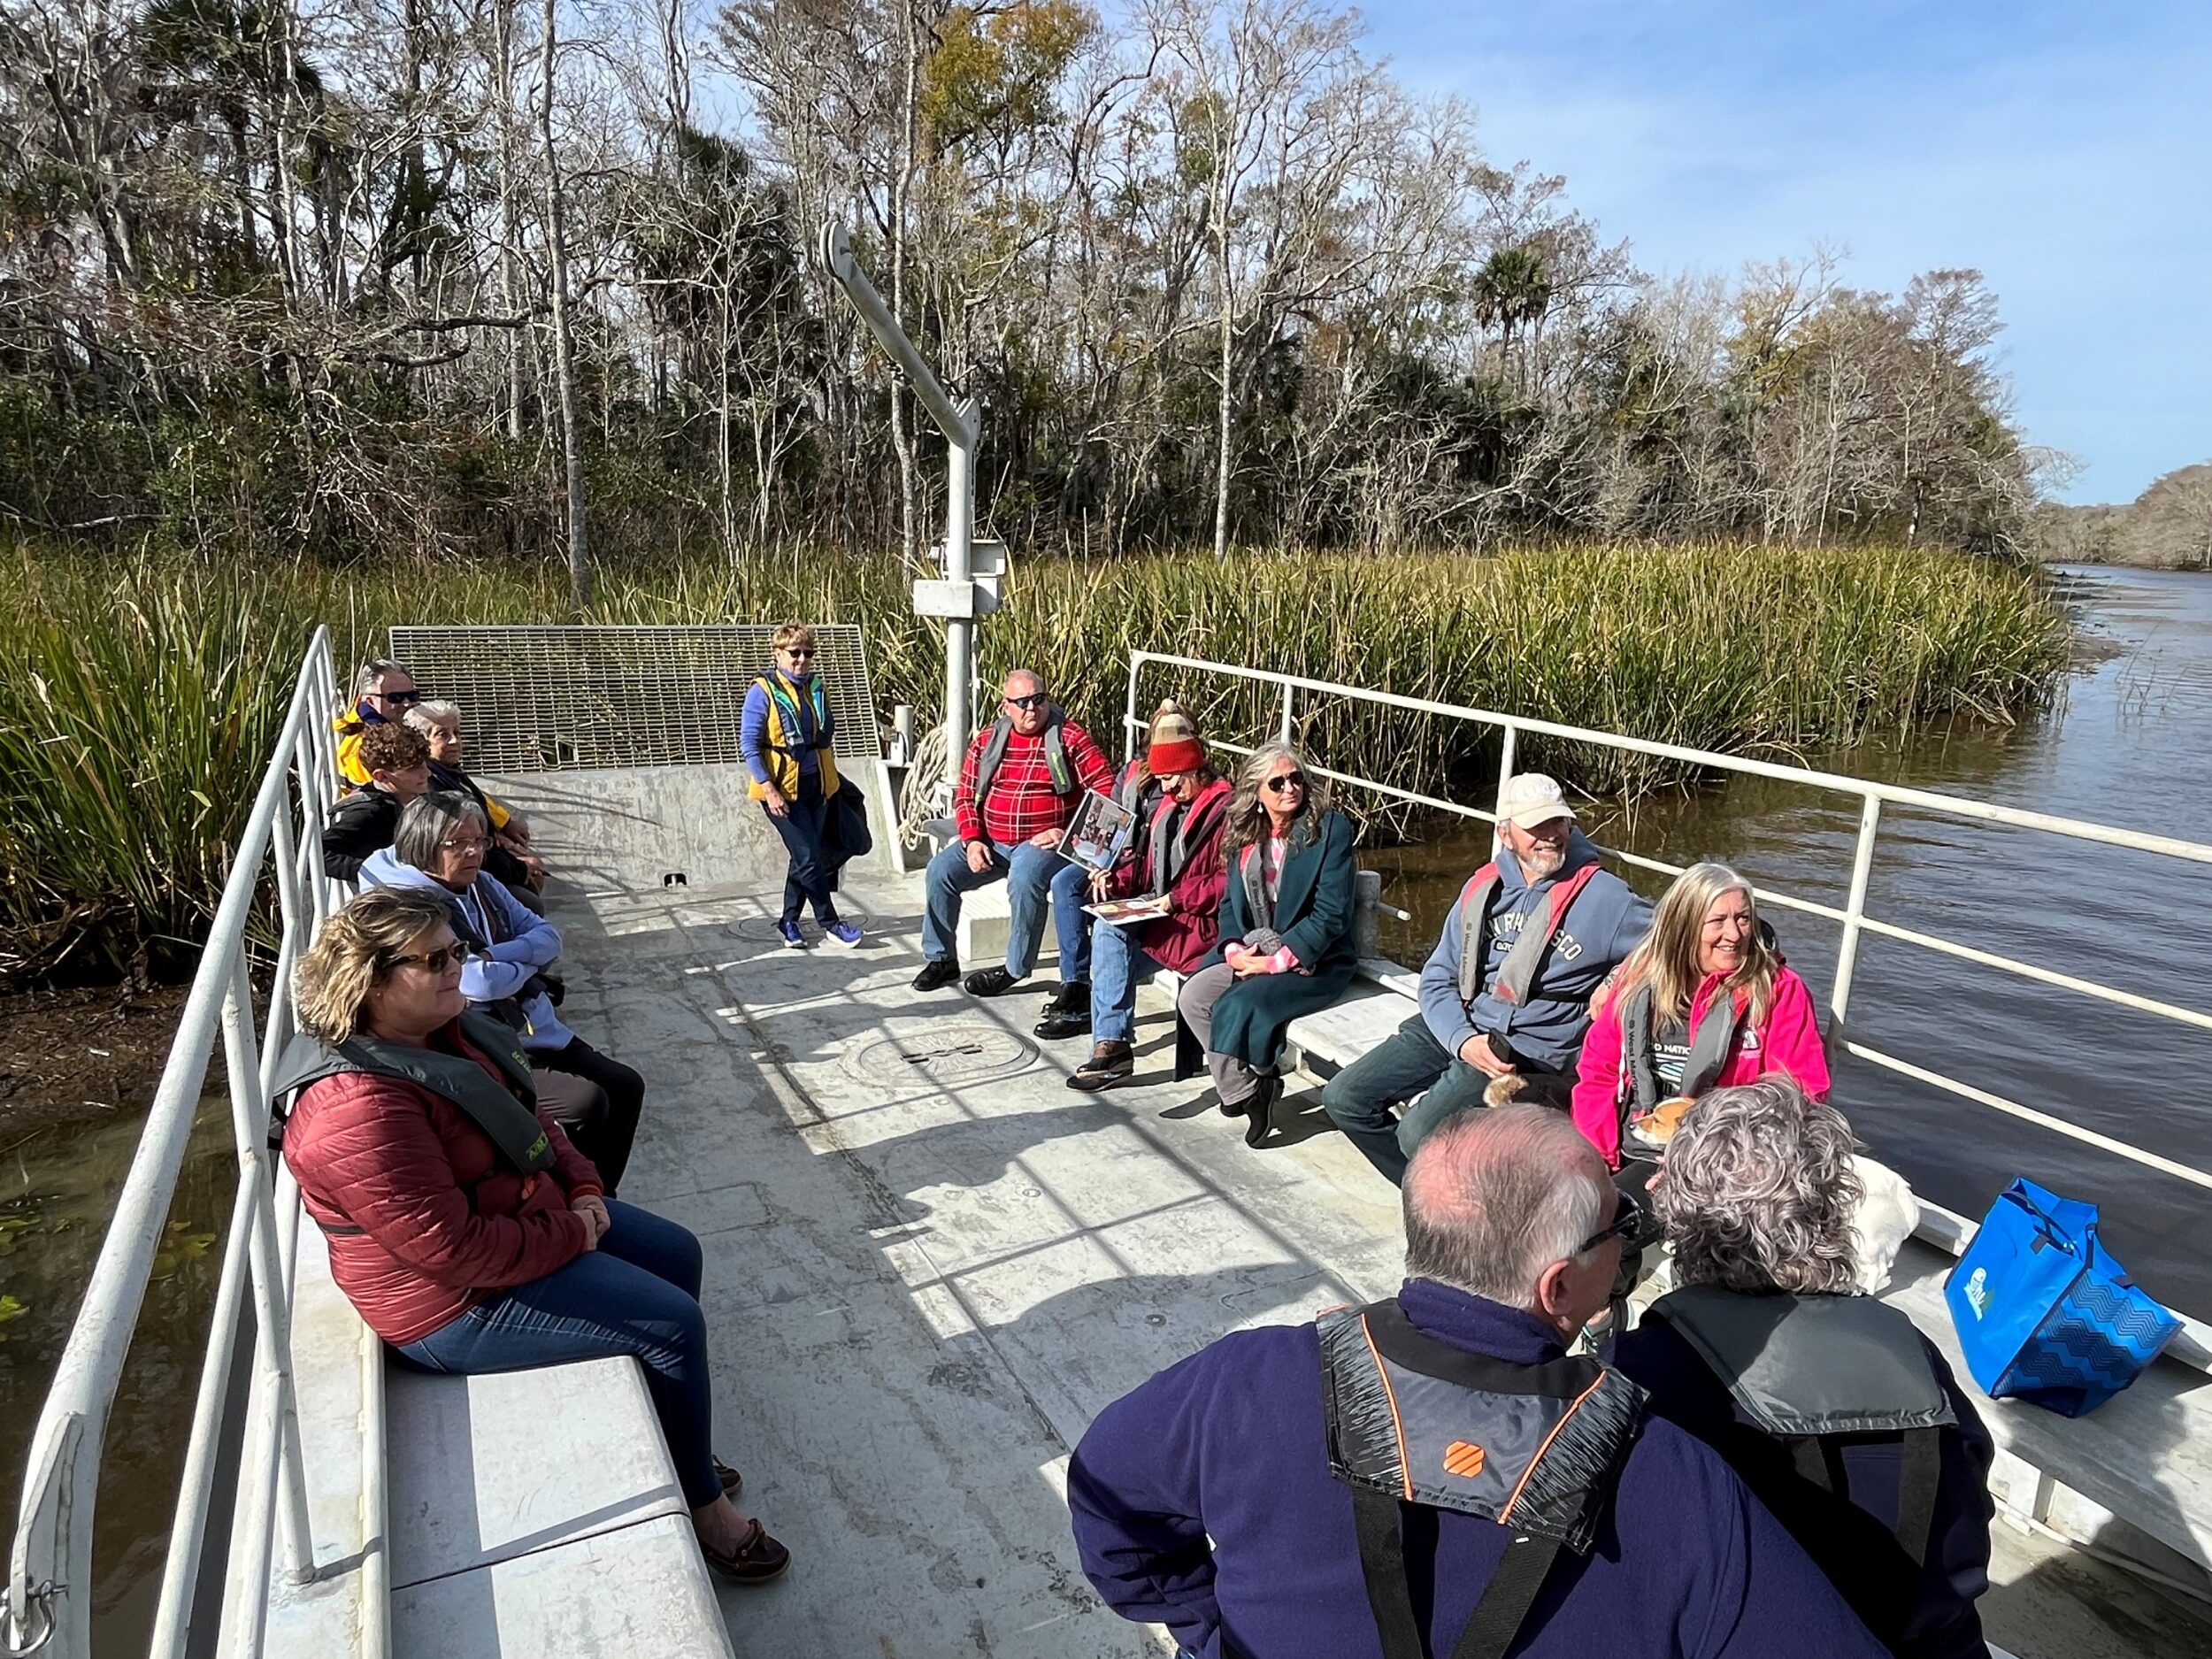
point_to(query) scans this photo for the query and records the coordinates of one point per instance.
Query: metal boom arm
(956, 598)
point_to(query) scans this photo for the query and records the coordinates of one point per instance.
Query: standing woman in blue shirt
(785, 735)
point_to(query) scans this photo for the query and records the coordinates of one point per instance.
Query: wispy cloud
(2065, 150)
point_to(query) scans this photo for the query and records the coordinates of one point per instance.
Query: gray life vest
(1064, 781)
(1806, 1371)
(1535, 1448)
(1135, 787)
(513, 1125)
(1711, 1043)
(1252, 878)
(1170, 854)
(1517, 974)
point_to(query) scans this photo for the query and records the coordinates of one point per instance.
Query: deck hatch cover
(556, 699)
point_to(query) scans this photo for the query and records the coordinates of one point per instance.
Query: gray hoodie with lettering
(1606, 922)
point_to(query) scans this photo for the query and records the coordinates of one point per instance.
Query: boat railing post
(250, 1120)
(1129, 711)
(1508, 736)
(1289, 724)
(1854, 913)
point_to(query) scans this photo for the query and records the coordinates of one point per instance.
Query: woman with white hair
(1838, 1413)
(509, 857)
(1704, 1001)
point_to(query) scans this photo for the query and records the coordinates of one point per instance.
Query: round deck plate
(944, 1054)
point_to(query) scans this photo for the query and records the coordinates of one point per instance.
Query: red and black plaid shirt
(1021, 802)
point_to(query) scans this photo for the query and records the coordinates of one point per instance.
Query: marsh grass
(141, 694)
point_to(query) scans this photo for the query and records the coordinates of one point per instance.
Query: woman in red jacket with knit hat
(463, 1225)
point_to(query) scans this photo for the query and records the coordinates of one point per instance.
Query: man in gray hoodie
(1507, 990)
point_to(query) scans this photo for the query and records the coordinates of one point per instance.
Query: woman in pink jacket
(1705, 1001)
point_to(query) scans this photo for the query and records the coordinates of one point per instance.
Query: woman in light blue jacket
(439, 848)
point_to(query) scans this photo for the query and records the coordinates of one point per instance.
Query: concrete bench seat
(338, 1378)
(537, 1511)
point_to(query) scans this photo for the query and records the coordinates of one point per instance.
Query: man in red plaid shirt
(1019, 786)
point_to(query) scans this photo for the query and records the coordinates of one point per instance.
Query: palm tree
(1511, 291)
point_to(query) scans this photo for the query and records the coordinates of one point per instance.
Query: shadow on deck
(929, 1265)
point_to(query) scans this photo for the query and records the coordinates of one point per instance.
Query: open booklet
(1099, 834)
(1122, 912)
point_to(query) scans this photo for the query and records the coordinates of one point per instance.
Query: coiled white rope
(928, 787)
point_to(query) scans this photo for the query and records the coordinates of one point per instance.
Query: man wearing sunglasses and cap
(1506, 993)
(1020, 783)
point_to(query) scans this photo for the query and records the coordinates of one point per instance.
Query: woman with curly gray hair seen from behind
(1834, 1409)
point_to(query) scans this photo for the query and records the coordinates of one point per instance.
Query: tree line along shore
(146, 688)
(464, 279)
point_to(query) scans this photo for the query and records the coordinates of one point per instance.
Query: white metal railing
(48, 1590)
(1852, 916)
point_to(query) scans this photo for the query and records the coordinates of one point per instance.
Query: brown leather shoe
(756, 1559)
(733, 1483)
(1110, 1063)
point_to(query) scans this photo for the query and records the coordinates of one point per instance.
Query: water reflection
(57, 1188)
(2129, 744)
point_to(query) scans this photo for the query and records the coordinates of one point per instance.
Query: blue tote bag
(2043, 1313)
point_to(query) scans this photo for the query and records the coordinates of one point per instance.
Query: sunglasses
(396, 696)
(1288, 781)
(799, 651)
(436, 960)
(1628, 1217)
(1029, 702)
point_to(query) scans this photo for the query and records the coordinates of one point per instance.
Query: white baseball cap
(1530, 798)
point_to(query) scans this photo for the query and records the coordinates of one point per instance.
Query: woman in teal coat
(1285, 945)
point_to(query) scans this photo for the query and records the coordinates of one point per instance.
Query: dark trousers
(811, 875)
(1409, 1063)
(637, 1293)
(596, 1101)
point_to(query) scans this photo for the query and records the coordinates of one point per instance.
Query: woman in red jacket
(1177, 855)
(464, 1226)
(1704, 1001)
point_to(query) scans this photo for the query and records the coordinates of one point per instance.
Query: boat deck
(928, 1264)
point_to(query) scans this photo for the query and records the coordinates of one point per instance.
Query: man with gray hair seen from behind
(1023, 778)
(1767, 1345)
(1433, 1474)
(1505, 995)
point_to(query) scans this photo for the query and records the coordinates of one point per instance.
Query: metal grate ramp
(553, 699)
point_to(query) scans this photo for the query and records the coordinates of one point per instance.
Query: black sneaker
(1257, 1109)
(937, 972)
(989, 982)
(1057, 1027)
(1067, 1013)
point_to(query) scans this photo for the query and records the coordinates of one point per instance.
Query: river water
(2129, 744)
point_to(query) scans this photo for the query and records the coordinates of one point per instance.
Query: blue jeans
(811, 877)
(637, 1293)
(1031, 874)
(1117, 966)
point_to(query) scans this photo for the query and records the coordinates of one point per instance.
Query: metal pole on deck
(956, 598)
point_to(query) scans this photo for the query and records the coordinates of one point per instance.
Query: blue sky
(2065, 150)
